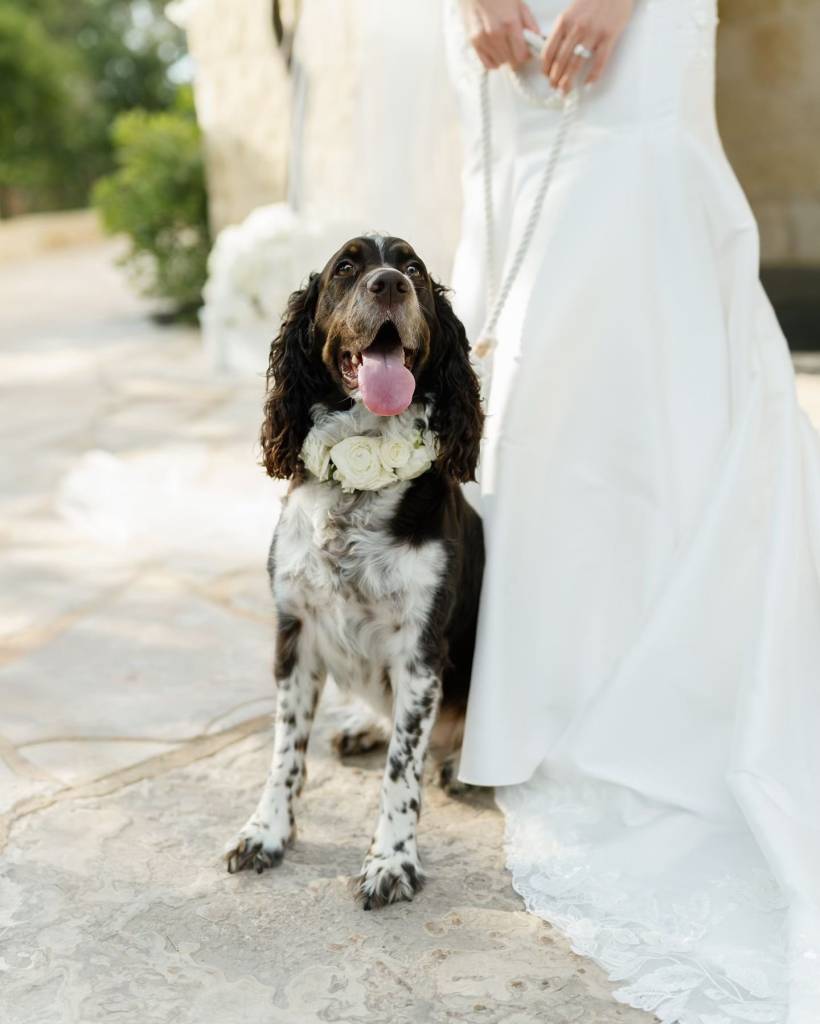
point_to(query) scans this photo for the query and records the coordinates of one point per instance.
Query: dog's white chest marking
(364, 596)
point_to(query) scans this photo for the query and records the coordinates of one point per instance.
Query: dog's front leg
(299, 676)
(391, 869)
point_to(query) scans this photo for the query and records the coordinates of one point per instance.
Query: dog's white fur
(362, 600)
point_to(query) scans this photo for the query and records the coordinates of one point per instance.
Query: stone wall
(242, 93)
(768, 107)
(769, 113)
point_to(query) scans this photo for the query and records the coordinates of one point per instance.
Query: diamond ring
(582, 51)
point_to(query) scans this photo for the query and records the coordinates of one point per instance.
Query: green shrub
(157, 197)
(67, 69)
(41, 113)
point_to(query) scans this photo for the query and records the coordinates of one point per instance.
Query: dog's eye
(344, 268)
(413, 270)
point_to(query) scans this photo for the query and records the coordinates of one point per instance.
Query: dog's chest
(365, 596)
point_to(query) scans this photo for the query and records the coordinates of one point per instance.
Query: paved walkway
(135, 681)
(135, 646)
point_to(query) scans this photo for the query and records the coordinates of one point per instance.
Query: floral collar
(365, 452)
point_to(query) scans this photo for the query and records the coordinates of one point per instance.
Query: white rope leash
(497, 294)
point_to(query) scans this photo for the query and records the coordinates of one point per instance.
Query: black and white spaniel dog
(377, 587)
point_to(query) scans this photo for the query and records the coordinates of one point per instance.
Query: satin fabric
(646, 687)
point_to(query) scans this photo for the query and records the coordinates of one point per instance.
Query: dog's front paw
(255, 848)
(388, 879)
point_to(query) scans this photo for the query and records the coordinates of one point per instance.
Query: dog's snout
(388, 286)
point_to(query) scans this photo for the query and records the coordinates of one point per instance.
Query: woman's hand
(496, 30)
(595, 24)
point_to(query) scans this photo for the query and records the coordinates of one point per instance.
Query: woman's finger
(496, 44)
(599, 62)
(562, 58)
(555, 39)
(484, 54)
(489, 61)
(568, 77)
(488, 44)
(519, 51)
(577, 65)
(528, 20)
(508, 44)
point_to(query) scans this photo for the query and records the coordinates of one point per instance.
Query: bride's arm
(596, 25)
(496, 30)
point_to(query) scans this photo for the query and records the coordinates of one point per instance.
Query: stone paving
(135, 645)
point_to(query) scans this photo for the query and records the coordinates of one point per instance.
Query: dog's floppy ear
(294, 381)
(457, 418)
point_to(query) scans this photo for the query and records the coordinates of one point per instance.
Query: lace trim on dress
(680, 951)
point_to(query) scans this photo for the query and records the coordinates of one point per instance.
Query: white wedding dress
(647, 682)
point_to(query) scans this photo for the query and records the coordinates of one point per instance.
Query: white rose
(395, 452)
(419, 462)
(316, 456)
(359, 467)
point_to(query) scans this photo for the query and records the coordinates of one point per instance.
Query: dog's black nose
(389, 286)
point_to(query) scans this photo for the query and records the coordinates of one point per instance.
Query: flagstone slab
(154, 662)
(20, 783)
(121, 908)
(77, 760)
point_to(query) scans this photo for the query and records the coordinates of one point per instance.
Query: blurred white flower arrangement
(252, 269)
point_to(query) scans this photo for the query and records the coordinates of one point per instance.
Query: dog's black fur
(386, 596)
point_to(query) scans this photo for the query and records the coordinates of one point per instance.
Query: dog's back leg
(299, 677)
(359, 727)
(445, 747)
(392, 870)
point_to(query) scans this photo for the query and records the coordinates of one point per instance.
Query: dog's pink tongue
(386, 384)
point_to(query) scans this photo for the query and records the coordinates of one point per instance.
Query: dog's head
(373, 326)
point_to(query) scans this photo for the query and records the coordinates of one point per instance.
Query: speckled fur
(362, 602)
(379, 589)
